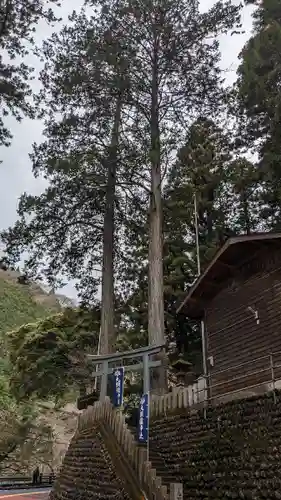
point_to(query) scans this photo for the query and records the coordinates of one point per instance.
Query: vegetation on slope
(17, 307)
(23, 433)
(48, 356)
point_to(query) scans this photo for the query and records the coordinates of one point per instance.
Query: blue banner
(118, 386)
(143, 419)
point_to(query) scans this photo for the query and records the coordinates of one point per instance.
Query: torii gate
(118, 357)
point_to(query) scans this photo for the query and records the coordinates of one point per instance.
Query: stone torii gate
(102, 362)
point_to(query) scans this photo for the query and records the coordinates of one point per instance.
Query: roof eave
(231, 241)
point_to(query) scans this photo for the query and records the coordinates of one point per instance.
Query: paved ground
(24, 495)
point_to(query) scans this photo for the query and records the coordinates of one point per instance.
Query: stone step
(88, 472)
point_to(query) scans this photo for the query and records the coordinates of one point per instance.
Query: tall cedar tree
(242, 196)
(18, 21)
(84, 83)
(200, 171)
(208, 166)
(259, 98)
(176, 77)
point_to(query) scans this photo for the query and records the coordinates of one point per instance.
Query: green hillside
(21, 304)
(17, 306)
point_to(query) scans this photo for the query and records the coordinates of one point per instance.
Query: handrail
(240, 377)
(240, 365)
(24, 478)
(188, 397)
(17, 482)
(126, 470)
(235, 367)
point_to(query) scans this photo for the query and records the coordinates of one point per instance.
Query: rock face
(64, 424)
(40, 296)
(87, 472)
(232, 453)
(42, 449)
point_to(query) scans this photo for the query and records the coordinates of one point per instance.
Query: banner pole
(148, 401)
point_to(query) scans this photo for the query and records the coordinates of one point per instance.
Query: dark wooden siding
(234, 337)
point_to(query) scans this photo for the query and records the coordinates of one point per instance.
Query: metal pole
(146, 389)
(272, 377)
(97, 367)
(204, 353)
(148, 422)
(197, 235)
(205, 368)
(203, 335)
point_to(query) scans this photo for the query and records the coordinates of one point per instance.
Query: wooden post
(176, 491)
(103, 391)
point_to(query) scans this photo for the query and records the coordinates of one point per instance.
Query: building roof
(236, 251)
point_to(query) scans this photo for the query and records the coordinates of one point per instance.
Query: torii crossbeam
(145, 365)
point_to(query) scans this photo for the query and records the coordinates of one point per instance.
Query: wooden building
(239, 298)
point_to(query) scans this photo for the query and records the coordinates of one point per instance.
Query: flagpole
(197, 235)
(148, 409)
(203, 333)
(97, 366)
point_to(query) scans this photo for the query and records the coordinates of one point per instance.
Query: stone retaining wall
(231, 450)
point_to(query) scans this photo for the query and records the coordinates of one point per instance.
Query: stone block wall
(230, 451)
(88, 472)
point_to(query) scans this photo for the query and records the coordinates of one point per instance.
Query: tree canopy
(184, 140)
(18, 24)
(20, 428)
(48, 358)
(258, 88)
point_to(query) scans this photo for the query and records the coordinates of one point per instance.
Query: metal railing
(267, 374)
(17, 482)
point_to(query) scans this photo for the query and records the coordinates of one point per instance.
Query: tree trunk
(156, 332)
(107, 308)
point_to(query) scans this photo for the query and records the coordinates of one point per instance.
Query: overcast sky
(16, 175)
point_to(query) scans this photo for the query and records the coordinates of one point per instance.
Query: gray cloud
(16, 175)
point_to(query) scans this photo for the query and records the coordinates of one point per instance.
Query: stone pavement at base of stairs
(24, 495)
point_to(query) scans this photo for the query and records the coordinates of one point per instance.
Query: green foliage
(79, 86)
(226, 189)
(200, 170)
(258, 89)
(75, 166)
(125, 50)
(20, 429)
(17, 307)
(18, 23)
(48, 357)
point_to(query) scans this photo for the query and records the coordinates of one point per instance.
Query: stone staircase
(88, 472)
(158, 463)
(157, 460)
(104, 461)
(230, 451)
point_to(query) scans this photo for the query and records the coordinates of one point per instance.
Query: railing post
(206, 393)
(176, 491)
(272, 376)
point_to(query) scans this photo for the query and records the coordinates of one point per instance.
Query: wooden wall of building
(233, 335)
